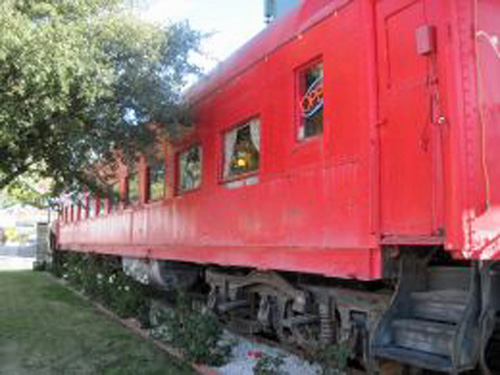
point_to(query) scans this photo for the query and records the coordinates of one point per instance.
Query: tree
(28, 189)
(79, 80)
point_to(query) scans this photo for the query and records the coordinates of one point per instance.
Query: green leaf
(81, 79)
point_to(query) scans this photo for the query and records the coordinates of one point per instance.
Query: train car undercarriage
(435, 314)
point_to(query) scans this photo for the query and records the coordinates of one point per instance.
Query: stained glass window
(311, 101)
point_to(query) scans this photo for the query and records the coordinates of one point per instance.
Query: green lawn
(47, 330)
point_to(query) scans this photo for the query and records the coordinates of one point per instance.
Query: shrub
(269, 365)
(56, 266)
(102, 278)
(334, 359)
(197, 334)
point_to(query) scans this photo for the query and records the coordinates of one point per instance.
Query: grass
(47, 330)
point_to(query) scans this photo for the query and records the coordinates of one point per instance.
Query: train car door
(406, 152)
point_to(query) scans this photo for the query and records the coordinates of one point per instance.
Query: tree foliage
(79, 79)
(29, 189)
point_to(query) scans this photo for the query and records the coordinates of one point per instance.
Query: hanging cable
(480, 94)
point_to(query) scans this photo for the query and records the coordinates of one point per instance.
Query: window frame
(178, 190)
(235, 127)
(299, 92)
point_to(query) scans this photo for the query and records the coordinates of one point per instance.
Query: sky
(233, 22)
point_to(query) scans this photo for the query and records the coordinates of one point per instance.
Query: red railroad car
(346, 138)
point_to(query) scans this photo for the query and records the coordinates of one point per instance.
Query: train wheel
(309, 330)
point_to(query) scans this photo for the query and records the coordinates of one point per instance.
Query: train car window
(92, 207)
(310, 101)
(242, 150)
(114, 197)
(190, 169)
(157, 180)
(79, 210)
(102, 206)
(83, 208)
(133, 187)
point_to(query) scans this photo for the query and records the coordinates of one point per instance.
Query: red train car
(346, 138)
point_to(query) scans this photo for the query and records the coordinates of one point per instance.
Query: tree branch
(5, 181)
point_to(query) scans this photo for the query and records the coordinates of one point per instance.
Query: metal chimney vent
(274, 9)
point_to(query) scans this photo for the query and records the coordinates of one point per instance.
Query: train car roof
(279, 33)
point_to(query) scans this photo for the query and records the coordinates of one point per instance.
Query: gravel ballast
(245, 355)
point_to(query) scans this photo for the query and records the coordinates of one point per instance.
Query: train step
(442, 305)
(445, 277)
(415, 358)
(424, 336)
(432, 322)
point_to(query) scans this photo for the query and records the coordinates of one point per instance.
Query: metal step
(424, 336)
(415, 358)
(439, 305)
(432, 318)
(439, 278)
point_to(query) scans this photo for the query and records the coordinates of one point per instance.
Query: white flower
(99, 276)
(127, 288)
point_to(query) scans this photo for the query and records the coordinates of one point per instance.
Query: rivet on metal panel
(442, 120)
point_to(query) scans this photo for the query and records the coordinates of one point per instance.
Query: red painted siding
(400, 161)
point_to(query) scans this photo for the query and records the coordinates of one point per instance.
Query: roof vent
(274, 9)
